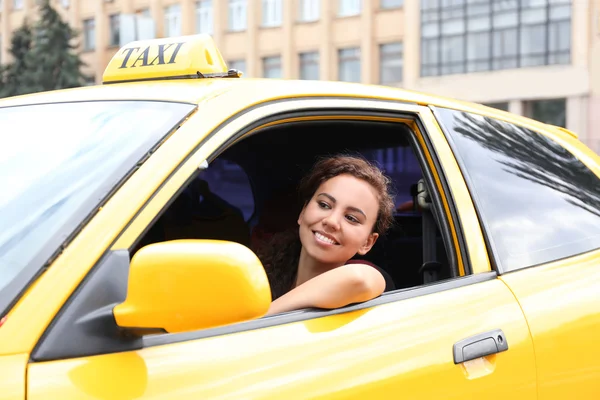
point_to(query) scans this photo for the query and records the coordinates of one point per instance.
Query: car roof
(198, 90)
(247, 92)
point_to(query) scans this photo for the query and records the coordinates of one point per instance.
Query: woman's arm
(353, 283)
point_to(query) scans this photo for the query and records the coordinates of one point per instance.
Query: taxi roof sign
(194, 56)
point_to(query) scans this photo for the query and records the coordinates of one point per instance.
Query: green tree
(53, 63)
(13, 75)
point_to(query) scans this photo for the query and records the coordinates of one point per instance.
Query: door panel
(562, 305)
(403, 348)
(13, 370)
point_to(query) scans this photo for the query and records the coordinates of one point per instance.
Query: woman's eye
(352, 219)
(324, 205)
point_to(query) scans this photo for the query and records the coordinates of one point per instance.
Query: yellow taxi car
(131, 213)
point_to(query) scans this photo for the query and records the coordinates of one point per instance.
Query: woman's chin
(325, 257)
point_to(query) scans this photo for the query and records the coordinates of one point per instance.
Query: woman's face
(338, 221)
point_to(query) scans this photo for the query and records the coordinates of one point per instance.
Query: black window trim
(301, 315)
(435, 196)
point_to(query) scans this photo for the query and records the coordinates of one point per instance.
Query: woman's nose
(332, 221)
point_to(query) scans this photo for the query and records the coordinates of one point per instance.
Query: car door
(546, 235)
(432, 341)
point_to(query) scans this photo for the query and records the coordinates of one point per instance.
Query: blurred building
(539, 58)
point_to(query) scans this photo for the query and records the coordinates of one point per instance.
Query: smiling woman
(347, 205)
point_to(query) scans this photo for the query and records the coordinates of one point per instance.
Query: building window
(272, 67)
(505, 36)
(347, 8)
(386, 4)
(479, 35)
(272, 13)
(239, 65)
(141, 26)
(238, 16)
(309, 10)
(349, 64)
(17, 4)
(559, 33)
(553, 111)
(309, 65)
(115, 30)
(173, 20)
(204, 16)
(391, 61)
(89, 34)
(144, 12)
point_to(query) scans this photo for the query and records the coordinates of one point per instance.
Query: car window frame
(376, 108)
(270, 112)
(423, 150)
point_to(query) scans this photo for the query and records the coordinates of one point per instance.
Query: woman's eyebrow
(333, 200)
(330, 197)
(358, 210)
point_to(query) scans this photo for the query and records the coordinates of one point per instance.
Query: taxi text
(162, 54)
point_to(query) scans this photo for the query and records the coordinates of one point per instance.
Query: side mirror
(186, 285)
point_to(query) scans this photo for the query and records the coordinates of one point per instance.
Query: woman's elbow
(364, 282)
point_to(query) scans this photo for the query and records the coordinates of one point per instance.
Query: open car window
(249, 193)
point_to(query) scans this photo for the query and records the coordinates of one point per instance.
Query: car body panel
(399, 347)
(13, 376)
(562, 305)
(244, 93)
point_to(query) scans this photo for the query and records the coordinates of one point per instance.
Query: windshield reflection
(58, 162)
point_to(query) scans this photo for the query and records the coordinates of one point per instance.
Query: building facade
(539, 58)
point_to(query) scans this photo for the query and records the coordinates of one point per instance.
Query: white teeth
(324, 238)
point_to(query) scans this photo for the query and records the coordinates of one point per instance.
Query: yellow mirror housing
(194, 56)
(186, 285)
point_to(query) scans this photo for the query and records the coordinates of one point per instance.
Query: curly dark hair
(281, 255)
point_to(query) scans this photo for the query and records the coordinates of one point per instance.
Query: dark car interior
(249, 193)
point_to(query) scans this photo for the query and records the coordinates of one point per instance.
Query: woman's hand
(352, 283)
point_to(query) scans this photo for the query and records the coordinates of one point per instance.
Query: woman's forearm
(339, 287)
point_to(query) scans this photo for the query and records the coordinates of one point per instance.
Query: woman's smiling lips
(324, 238)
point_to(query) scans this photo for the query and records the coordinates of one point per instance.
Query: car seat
(198, 213)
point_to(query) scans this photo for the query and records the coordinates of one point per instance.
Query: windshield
(57, 164)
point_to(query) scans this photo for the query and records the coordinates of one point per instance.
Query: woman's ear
(366, 247)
